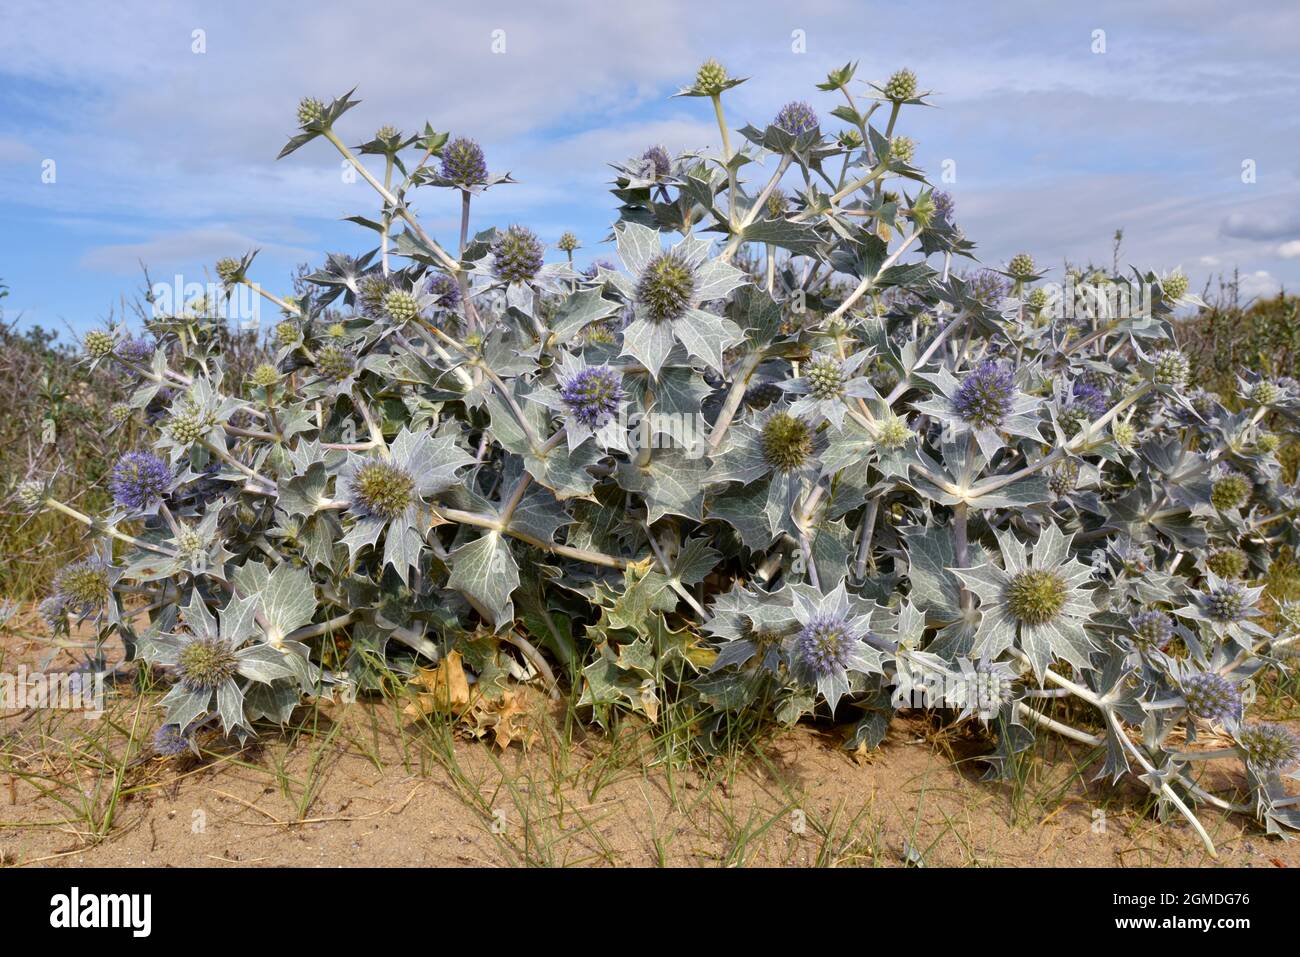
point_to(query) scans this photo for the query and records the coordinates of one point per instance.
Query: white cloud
(1289, 250)
(1258, 284)
(191, 249)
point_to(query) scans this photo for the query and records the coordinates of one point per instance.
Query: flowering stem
(400, 208)
(480, 520)
(1078, 442)
(904, 383)
(869, 281)
(868, 531)
(726, 159)
(232, 461)
(734, 398)
(94, 524)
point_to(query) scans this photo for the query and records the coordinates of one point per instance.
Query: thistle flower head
(567, 242)
(229, 270)
(1212, 697)
(400, 306)
(1036, 596)
(382, 489)
(1265, 392)
(1269, 747)
(665, 287)
(444, 290)
(120, 412)
(139, 479)
(1268, 442)
(1037, 298)
(992, 688)
(371, 291)
(30, 494)
(901, 86)
(1021, 266)
(762, 394)
(334, 363)
(188, 426)
(988, 288)
(986, 396)
(265, 375)
(310, 110)
(170, 740)
(462, 162)
(99, 343)
(1063, 480)
(711, 77)
(286, 332)
(778, 204)
(657, 160)
(1088, 398)
(83, 586)
(825, 644)
(135, 350)
(190, 545)
(787, 441)
(518, 254)
(1227, 603)
(388, 132)
(205, 664)
(1171, 368)
(944, 207)
(894, 432)
(903, 148)
(796, 118)
(1124, 434)
(1152, 628)
(54, 613)
(1175, 285)
(1230, 490)
(825, 378)
(1228, 562)
(593, 395)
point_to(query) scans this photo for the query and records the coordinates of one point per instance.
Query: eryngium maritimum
(666, 287)
(593, 395)
(1152, 628)
(462, 162)
(382, 489)
(1269, 747)
(901, 86)
(139, 479)
(1212, 697)
(1170, 367)
(169, 741)
(986, 395)
(796, 118)
(204, 664)
(657, 160)
(518, 254)
(83, 586)
(786, 441)
(444, 290)
(825, 644)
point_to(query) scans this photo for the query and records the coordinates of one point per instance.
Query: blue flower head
(462, 162)
(796, 118)
(986, 396)
(826, 643)
(139, 479)
(593, 395)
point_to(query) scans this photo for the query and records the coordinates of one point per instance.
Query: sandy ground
(366, 787)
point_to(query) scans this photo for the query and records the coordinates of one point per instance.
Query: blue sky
(167, 155)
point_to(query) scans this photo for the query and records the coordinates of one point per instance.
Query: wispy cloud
(164, 120)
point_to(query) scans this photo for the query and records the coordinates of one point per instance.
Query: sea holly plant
(784, 450)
